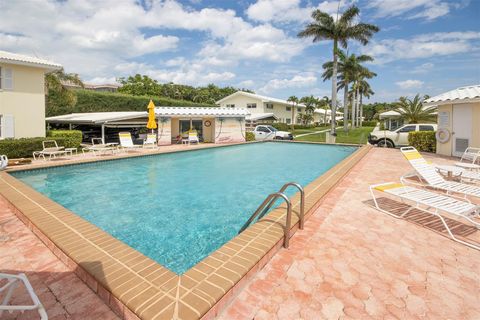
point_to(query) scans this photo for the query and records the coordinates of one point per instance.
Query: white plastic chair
(151, 141)
(193, 137)
(12, 283)
(3, 161)
(126, 141)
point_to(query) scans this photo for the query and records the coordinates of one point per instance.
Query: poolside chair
(151, 141)
(430, 203)
(469, 159)
(50, 149)
(98, 147)
(12, 283)
(193, 137)
(427, 173)
(126, 142)
(3, 161)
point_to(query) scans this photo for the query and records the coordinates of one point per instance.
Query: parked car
(266, 132)
(398, 137)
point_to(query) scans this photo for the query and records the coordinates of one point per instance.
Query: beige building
(458, 118)
(263, 108)
(22, 95)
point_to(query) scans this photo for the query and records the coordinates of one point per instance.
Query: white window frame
(287, 108)
(3, 78)
(251, 105)
(230, 105)
(288, 121)
(269, 105)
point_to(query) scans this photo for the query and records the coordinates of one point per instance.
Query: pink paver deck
(354, 262)
(62, 293)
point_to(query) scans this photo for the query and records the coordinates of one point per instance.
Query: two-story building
(22, 95)
(263, 108)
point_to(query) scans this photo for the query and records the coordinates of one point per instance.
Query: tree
(310, 103)
(340, 31)
(139, 85)
(294, 101)
(59, 99)
(365, 91)
(325, 103)
(412, 111)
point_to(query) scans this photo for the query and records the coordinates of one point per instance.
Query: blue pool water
(178, 208)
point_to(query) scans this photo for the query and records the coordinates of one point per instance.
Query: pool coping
(135, 286)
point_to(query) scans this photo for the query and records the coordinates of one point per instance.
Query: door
(401, 138)
(461, 128)
(263, 133)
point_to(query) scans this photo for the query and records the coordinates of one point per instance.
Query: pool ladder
(268, 203)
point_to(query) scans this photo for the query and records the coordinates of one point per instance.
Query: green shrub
(369, 123)
(94, 101)
(249, 136)
(72, 138)
(423, 140)
(24, 147)
(288, 127)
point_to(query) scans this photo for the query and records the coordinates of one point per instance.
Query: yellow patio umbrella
(151, 124)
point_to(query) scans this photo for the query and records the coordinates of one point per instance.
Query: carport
(127, 119)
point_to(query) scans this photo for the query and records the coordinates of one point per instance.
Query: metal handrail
(271, 198)
(301, 218)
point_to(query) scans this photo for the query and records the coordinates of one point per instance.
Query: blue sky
(424, 46)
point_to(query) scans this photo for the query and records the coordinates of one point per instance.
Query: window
(407, 129)
(7, 129)
(263, 129)
(6, 79)
(426, 128)
(251, 105)
(230, 106)
(288, 108)
(288, 120)
(269, 105)
(299, 109)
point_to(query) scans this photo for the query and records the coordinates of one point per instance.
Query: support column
(103, 133)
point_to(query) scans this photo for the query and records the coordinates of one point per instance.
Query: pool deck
(350, 261)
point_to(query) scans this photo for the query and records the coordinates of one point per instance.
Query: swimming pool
(178, 208)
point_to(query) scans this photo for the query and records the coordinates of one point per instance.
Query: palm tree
(365, 91)
(340, 31)
(294, 101)
(310, 103)
(349, 67)
(412, 111)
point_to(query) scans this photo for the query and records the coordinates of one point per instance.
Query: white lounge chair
(193, 137)
(98, 147)
(126, 141)
(151, 141)
(12, 283)
(431, 203)
(469, 159)
(426, 172)
(3, 161)
(50, 149)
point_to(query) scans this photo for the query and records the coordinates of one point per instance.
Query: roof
(261, 116)
(257, 96)
(468, 94)
(193, 111)
(96, 117)
(389, 114)
(17, 59)
(322, 111)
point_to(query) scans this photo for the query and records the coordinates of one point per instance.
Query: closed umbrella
(151, 124)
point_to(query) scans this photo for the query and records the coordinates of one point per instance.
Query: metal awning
(261, 116)
(96, 118)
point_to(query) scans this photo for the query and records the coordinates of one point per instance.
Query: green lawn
(357, 136)
(300, 131)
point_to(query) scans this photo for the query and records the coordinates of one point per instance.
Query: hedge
(94, 101)
(72, 138)
(423, 140)
(286, 127)
(24, 147)
(249, 136)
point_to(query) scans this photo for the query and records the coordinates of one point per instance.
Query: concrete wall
(208, 132)
(447, 148)
(279, 110)
(26, 102)
(229, 130)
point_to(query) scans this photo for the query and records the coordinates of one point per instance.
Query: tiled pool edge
(200, 292)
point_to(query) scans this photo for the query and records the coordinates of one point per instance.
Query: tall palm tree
(365, 91)
(349, 69)
(294, 101)
(324, 103)
(310, 103)
(412, 111)
(340, 31)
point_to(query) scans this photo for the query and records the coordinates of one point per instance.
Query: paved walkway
(353, 262)
(62, 293)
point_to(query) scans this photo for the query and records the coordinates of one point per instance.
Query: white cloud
(422, 46)
(289, 10)
(423, 68)
(246, 84)
(102, 39)
(410, 84)
(411, 9)
(298, 81)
